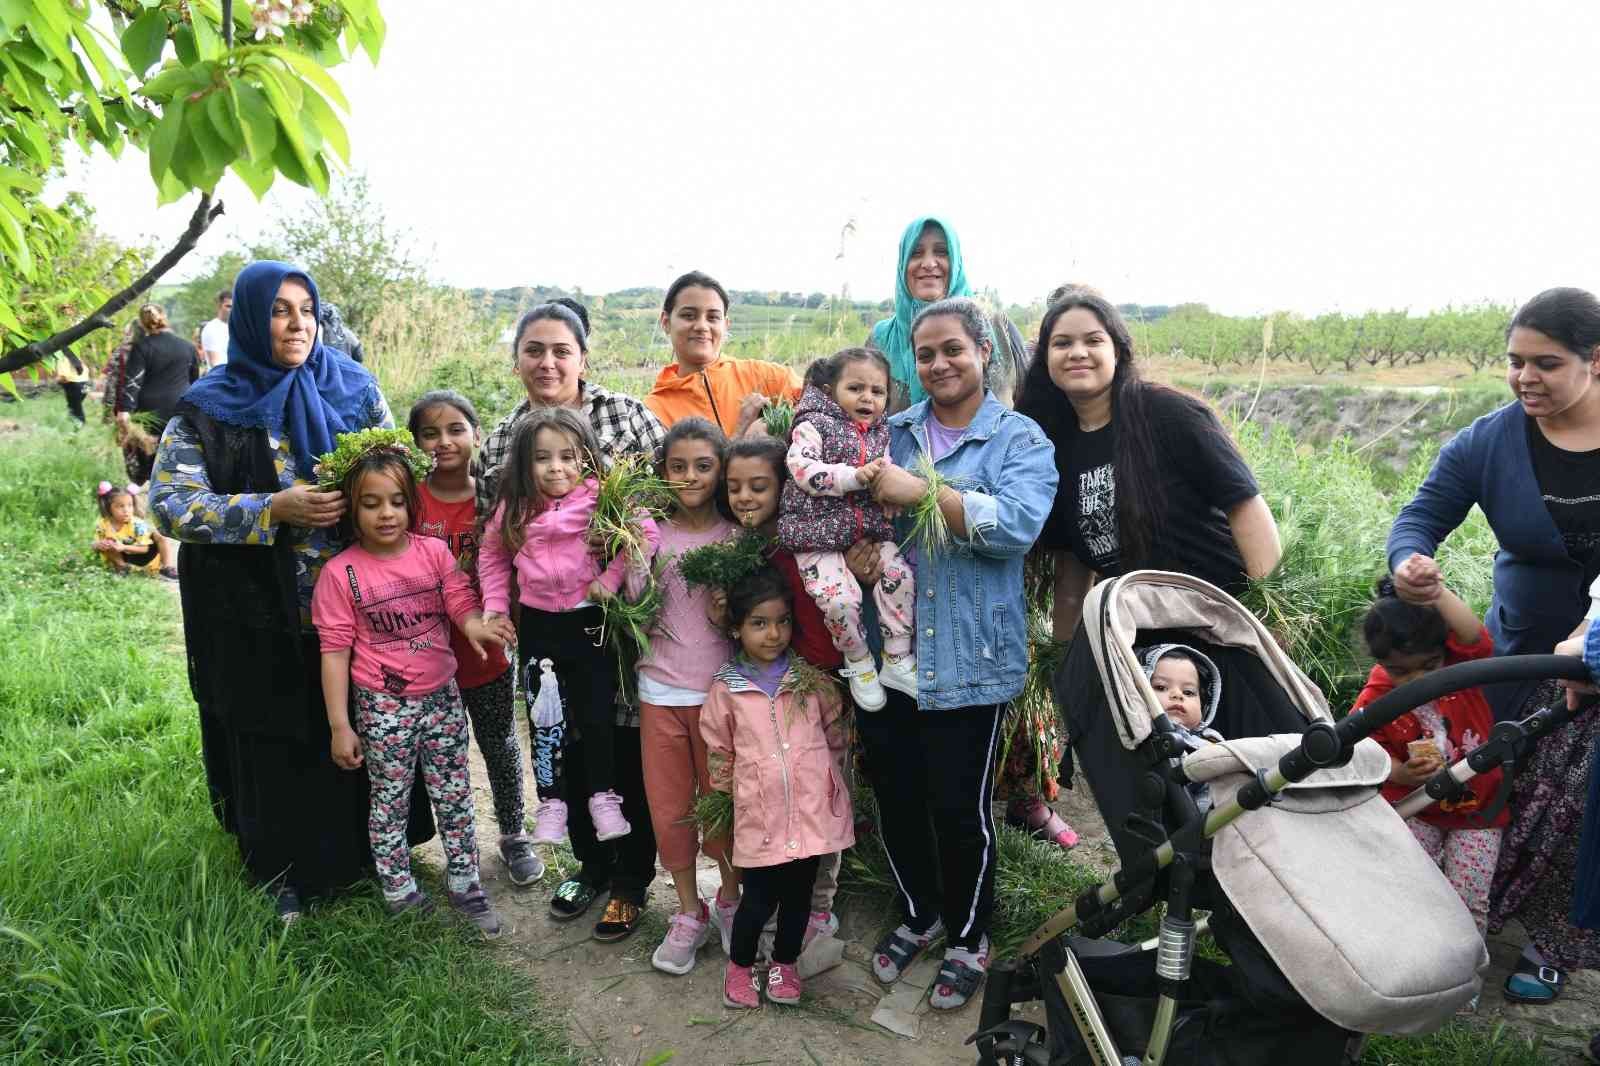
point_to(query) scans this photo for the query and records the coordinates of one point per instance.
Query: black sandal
(572, 897)
(955, 985)
(619, 921)
(1536, 979)
(898, 951)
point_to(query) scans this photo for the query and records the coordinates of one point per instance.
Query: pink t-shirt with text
(395, 615)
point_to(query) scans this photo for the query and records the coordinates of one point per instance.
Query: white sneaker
(899, 673)
(686, 934)
(864, 686)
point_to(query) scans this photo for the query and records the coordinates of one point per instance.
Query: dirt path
(621, 1012)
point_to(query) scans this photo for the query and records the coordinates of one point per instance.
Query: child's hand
(717, 608)
(505, 633)
(598, 592)
(1414, 771)
(478, 633)
(1418, 580)
(868, 474)
(106, 544)
(346, 747)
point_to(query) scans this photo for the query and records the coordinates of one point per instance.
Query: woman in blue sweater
(1533, 467)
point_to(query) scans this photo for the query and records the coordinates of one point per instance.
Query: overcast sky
(1251, 156)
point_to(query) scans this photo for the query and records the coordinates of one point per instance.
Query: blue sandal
(1535, 985)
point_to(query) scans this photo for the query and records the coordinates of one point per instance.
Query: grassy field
(127, 933)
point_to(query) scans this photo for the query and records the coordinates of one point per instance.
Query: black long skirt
(298, 817)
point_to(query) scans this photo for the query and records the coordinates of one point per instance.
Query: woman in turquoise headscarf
(931, 268)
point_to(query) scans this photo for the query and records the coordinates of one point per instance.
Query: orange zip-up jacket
(717, 391)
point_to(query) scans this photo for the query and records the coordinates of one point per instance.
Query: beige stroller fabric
(1360, 920)
(1336, 888)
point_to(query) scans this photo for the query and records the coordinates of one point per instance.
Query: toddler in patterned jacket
(839, 444)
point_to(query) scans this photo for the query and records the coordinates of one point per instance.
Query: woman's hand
(1576, 690)
(1418, 580)
(864, 561)
(898, 487)
(307, 506)
(346, 748)
(750, 409)
(1413, 771)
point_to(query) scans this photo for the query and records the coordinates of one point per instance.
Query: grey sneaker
(523, 865)
(413, 902)
(474, 905)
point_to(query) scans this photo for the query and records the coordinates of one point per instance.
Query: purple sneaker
(550, 822)
(473, 905)
(605, 810)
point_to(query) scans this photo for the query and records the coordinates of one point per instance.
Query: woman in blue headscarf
(931, 268)
(234, 484)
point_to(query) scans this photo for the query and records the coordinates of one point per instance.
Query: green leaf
(214, 152)
(206, 39)
(257, 123)
(165, 138)
(220, 108)
(293, 145)
(12, 178)
(10, 386)
(257, 176)
(169, 189)
(327, 124)
(312, 71)
(91, 98)
(110, 76)
(143, 41)
(13, 234)
(8, 319)
(183, 41)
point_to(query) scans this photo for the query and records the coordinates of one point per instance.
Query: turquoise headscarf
(892, 336)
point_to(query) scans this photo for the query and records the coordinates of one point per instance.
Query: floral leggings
(1467, 857)
(837, 594)
(492, 708)
(395, 731)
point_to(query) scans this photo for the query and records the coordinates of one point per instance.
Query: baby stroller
(1337, 924)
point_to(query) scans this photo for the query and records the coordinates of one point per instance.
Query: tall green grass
(128, 933)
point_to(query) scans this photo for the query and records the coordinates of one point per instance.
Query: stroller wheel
(1015, 1043)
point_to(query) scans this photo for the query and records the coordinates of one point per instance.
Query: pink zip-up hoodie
(780, 757)
(553, 566)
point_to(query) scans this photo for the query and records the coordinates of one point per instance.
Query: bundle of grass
(778, 417)
(628, 626)
(713, 814)
(332, 467)
(1033, 718)
(630, 491)
(930, 532)
(725, 563)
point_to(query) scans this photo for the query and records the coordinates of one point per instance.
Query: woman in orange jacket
(701, 380)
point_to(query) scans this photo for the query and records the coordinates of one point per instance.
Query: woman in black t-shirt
(1149, 479)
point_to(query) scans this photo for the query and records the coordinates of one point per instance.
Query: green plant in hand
(778, 417)
(725, 563)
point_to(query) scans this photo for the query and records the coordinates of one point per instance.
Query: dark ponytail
(1394, 626)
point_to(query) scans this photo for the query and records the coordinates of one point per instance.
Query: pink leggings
(837, 594)
(1467, 857)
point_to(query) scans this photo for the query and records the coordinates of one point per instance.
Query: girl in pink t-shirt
(685, 651)
(383, 608)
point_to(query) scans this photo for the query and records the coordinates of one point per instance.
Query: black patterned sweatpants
(492, 708)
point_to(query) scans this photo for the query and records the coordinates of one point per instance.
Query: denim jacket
(972, 633)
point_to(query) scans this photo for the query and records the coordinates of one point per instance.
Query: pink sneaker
(722, 913)
(1036, 817)
(740, 988)
(550, 822)
(783, 984)
(605, 809)
(820, 924)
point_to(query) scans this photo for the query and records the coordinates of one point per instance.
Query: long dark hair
(378, 461)
(694, 428)
(1135, 455)
(769, 450)
(519, 497)
(1393, 625)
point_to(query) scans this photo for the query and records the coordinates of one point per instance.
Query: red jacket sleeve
(1457, 652)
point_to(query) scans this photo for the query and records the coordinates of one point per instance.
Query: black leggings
(785, 888)
(587, 676)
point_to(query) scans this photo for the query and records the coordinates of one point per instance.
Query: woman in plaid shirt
(550, 354)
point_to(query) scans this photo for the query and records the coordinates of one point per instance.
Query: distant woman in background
(931, 268)
(161, 366)
(729, 392)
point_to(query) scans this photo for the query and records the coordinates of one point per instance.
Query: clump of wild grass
(778, 417)
(713, 814)
(929, 532)
(1033, 716)
(629, 491)
(724, 563)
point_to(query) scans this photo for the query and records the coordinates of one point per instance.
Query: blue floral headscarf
(326, 395)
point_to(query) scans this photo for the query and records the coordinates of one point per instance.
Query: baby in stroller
(1189, 687)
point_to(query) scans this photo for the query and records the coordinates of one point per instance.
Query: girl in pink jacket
(774, 732)
(539, 531)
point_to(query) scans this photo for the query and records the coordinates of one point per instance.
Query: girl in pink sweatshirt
(538, 535)
(774, 732)
(383, 608)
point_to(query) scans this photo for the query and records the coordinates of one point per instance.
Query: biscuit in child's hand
(1427, 746)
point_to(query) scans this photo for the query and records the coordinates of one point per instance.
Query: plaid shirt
(623, 425)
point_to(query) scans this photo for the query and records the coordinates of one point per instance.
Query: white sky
(1253, 156)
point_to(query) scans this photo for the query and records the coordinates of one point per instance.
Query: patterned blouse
(185, 508)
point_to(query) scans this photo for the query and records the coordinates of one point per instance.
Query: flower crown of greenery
(351, 448)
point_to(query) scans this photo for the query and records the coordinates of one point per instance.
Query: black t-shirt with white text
(1202, 475)
(1570, 485)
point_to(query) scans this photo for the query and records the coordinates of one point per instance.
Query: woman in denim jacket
(931, 760)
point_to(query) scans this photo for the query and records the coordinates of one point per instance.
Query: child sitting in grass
(125, 541)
